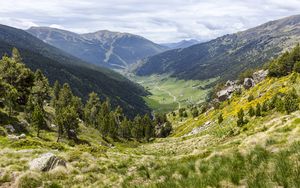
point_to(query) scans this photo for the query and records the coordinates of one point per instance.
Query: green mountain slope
(262, 152)
(105, 48)
(229, 55)
(83, 78)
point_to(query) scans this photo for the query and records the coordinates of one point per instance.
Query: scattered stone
(260, 75)
(248, 83)
(199, 129)
(46, 162)
(53, 125)
(22, 136)
(10, 128)
(12, 137)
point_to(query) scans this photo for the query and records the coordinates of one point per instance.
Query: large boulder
(260, 75)
(46, 162)
(248, 83)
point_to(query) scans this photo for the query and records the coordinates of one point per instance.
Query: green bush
(29, 180)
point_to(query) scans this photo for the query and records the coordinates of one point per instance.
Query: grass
(169, 94)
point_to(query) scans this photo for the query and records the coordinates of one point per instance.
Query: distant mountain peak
(181, 44)
(106, 48)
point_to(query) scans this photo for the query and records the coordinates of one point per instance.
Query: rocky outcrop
(230, 88)
(199, 129)
(260, 75)
(46, 162)
(248, 83)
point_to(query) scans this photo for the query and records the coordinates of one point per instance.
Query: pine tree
(92, 109)
(148, 127)
(38, 119)
(65, 97)
(291, 101)
(40, 89)
(55, 93)
(67, 121)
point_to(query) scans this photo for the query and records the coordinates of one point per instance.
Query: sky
(158, 20)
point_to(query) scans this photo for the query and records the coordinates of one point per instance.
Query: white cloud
(161, 21)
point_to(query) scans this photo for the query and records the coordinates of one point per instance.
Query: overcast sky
(157, 20)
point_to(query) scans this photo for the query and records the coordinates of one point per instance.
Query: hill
(105, 48)
(228, 55)
(83, 78)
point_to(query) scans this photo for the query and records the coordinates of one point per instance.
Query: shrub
(258, 110)
(29, 180)
(251, 111)
(220, 119)
(250, 98)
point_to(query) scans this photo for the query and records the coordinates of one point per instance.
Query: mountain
(181, 44)
(110, 49)
(227, 56)
(82, 77)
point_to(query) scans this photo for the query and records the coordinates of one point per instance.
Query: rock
(22, 136)
(46, 162)
(199, 129)
(260, 75)
(248, 83)
(53, 125)
(10, 128)
(12, 137)
(227, 92)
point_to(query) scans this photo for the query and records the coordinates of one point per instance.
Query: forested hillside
(83, 78)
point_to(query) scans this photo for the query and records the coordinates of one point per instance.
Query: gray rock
(12, 137)
(228, 91)
(22, 136)
(248, 83)
(46, 162)
(199, 129)
(260, 75)
(10, 128)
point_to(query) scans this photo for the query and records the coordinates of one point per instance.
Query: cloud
(160, 21)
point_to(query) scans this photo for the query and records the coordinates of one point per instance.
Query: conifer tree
(291, 101)
(92, 109)
(55, 93)
(40, 89)
(38, 118)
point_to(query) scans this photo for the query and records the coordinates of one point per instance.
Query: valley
(169, 94)
(113, 109)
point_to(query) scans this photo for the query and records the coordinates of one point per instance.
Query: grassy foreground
(263, 153)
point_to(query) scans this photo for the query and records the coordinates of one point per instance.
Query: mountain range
(226, 56)
(110, 49)
(82, 77)
(181, 44)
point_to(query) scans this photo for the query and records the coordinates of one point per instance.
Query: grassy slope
(263, 153)
(169, 93)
